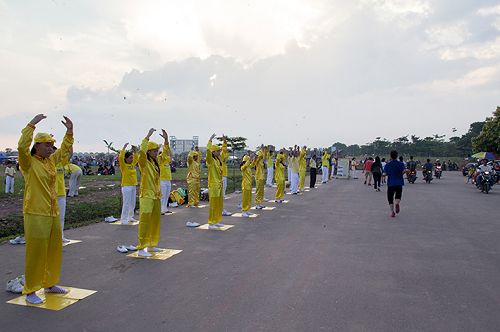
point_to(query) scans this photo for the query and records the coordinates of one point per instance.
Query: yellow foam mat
(71, 242)
(134, 223)
(225, 228)
(240, 215)
(267, 208)
(164, 254)
(54, 301)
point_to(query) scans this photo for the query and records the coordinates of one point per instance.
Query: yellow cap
(44, 138)
(215, 148)
(153, 146)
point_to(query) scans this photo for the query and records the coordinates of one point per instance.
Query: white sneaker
(122, 249)
(259, 207)
(133, 220)
(65, 240)
(154, 249)
(226, 213)
(143, 253)
(213, 226)
(246, 214)
(219, 225)
(192, 224)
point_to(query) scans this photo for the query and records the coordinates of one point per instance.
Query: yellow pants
(149, 223)
(280, 190)
(215, 212)
(43, 252)
(193, 192)
(259, 191)
(302, 179)
(246, 199)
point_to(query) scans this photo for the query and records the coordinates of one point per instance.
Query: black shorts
(398, 190)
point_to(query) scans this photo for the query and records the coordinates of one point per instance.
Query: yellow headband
(153, 146)
(44, 138)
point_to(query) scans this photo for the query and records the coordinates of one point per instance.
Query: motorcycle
(486, 182)
(411, 176)
(438, 172)
(428, 176)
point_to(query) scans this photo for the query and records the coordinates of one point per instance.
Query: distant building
(183, 145)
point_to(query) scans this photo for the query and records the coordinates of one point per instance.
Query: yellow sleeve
(23, 147)
(142, 153)
(136, 159)
(245, 165)
(224, 153)
(209, 158)
(63, 153)
(302, 153)
(121, 158)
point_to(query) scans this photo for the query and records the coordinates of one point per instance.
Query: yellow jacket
(165, 172)
(40, 195)
(70, 168)
(60, 185)
(325, 160)
(224, 155)
(129, 173)
(302, 161)
(259, 165)
(214, 166)
(279, 171)
(246, 172)
(270, 160)
(193, 173)
(150, 173)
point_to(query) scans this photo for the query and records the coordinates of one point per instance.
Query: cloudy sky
(275, 71)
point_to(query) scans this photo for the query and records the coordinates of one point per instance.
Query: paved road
(331, 260)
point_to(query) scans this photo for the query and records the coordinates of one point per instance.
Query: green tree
(489, 138)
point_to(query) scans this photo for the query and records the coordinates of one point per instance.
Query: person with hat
(150, 194)
(193, 178)
(246, 184)
(42, 228)
(279, 176)
(215, 194)
(165, 177)
(260, 177)
(302, 168)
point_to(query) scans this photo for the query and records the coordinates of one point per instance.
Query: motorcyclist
(427, 167)
(411, 166)
(482, 168)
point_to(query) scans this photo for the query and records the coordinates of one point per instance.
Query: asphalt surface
(331, 259)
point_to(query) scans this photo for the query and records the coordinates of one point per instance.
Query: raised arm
(67, 143)
(144, 148)
(209, 157)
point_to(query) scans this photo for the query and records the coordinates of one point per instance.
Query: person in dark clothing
(395, 182)
(312, 171)
(377, 170)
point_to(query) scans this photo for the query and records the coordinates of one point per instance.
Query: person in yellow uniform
(279, 175)
(127, 160)
(325, 163)
(246, 184)
(224, 155)
(215, 195)
(42, 228)
(150, 195)
(260, 177)
(165, 177)
(61, 191)
(193, 178)
(302, 167)
(270, 168)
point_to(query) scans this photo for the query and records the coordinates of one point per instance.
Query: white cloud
(404, 13)
(487, 11)
(473, 79)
